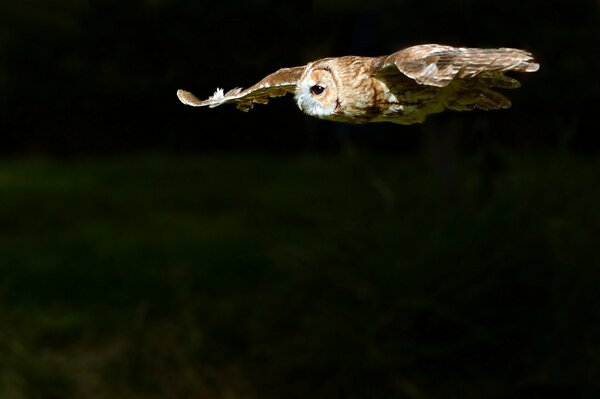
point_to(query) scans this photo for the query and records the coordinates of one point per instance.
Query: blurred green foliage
(344, 276)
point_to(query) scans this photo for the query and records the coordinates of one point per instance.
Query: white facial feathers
(316, 92)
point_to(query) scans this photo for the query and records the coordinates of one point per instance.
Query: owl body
(401, 88)
(356, 96)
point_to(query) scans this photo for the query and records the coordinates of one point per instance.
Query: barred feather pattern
(404, 87)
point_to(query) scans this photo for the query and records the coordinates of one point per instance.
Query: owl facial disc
(316, 92)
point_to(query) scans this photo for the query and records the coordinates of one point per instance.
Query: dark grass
(346, 276)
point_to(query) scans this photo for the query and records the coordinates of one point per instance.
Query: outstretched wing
(277, 84)
(437, 65)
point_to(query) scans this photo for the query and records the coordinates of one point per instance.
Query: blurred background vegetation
(152, 250)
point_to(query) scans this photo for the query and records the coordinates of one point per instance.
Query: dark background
(153, 250)
(95, 77)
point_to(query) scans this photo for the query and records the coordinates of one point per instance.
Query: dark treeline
(100, 76)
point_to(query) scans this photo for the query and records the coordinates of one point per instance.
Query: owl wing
(277, 84)
(437, 65)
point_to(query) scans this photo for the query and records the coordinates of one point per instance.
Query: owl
(404, 87)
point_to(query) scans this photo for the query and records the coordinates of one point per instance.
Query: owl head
(317, 91)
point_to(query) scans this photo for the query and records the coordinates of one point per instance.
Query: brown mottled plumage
(403, 87)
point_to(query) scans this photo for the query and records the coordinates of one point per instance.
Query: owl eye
(317, 90)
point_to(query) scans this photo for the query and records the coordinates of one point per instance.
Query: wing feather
(437, 65)
(277, 84)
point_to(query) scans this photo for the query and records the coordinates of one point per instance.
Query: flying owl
(403, 87)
